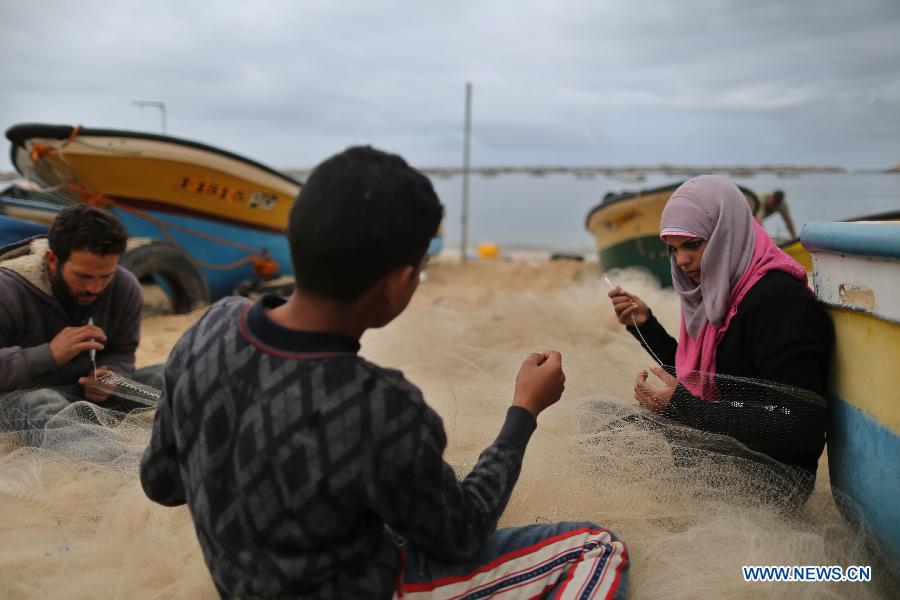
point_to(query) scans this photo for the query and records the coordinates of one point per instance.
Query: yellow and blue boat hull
(856, 274)
(155, 172)
(225, 211)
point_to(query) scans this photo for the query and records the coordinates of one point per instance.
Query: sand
(70, 528)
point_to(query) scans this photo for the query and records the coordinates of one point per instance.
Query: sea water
(527, 211)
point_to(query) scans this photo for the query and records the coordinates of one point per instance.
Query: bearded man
(61, 297)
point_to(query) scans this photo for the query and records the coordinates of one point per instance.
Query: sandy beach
(73, 526)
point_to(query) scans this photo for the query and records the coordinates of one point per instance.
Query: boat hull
(12, 230)
(28, 210)
(147, 171)
(796, 250)
(647, 252)
(224, 211)
(626, 230)
(212, 257)
(856, 274)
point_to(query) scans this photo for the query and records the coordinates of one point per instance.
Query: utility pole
(465, 192)
(153, 104)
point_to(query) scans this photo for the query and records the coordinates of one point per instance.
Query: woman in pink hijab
(748, 319)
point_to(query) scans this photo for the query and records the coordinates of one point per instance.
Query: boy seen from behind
(312, 472)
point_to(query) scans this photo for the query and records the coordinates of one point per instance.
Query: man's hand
(540, 382)
(72, 341)
(654, 398)
(626, 304)
(94, 390)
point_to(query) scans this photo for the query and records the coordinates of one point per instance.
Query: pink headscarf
(738, 253)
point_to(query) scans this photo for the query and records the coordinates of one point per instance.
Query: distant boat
(857, 276)
(626, 229)
(631, 176)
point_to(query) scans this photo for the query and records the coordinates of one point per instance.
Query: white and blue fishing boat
(26, 211)
(856, 274)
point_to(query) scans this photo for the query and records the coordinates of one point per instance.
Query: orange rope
(88, 195)
(72, 135)
(265, 266)
(39, 151)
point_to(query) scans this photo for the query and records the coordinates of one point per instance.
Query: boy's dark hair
(84, 227)
(360, 214)
(778, 196)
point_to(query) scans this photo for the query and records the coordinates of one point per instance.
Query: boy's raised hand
(540, 382)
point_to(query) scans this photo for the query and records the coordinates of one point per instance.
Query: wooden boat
(205, 209)
(22, 200)
(856, 274)
(626, 229)
(226, 212)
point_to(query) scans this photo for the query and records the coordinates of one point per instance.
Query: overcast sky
(571, 82)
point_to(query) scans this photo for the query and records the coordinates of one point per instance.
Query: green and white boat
(626, 229)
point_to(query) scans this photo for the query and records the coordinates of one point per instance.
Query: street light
(153, 104)
(465, 191)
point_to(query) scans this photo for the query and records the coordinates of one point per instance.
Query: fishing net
(692, 506)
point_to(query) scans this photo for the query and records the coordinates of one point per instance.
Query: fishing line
(638, 329)
(93, 352)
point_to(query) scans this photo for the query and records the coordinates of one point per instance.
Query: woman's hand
(626, 305)
(651, 397)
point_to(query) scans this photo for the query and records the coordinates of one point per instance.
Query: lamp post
(465, 191)
(153, 104)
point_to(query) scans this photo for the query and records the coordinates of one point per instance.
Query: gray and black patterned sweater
(294, 454)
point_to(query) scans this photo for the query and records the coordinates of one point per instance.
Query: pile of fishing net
(691, 506)
(73, 518)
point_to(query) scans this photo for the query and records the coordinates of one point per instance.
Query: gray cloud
(561, 82)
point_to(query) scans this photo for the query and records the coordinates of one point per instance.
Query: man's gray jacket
(31, 316)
